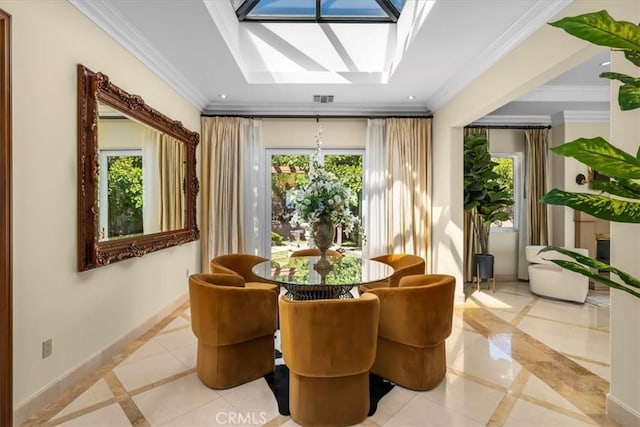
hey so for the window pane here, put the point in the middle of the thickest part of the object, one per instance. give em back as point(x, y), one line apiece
point(351, 8)
point(505, 170)
point(348, 167)
point(124, 182)
point(288, 173)
point(284, 8)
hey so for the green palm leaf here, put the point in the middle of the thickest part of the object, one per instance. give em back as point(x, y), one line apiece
point(633, 56)
point(598, 154)
point(629, 97)
point(620, 188)
point(602, 207)
point(584, 263)
point(601, 29)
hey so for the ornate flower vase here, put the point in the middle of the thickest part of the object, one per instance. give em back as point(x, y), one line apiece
point(323, 234)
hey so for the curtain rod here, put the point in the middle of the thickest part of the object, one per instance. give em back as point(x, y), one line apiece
point(518, 127)
point(318, 117)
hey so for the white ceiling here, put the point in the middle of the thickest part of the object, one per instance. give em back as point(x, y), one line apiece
point(434, 51)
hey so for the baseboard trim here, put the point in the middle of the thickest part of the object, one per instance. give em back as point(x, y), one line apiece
point(51, 392)
point(622, 413)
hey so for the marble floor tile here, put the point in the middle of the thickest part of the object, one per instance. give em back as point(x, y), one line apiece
point(97, 393)
point(525, 414)
point(147, 371)
point(186, 355)
point(176, 339)
point(149, 349)
point(421, 412)
point(502, 300)
point(600, 369)
point(537, 389)
point(177, 323)
point(168, 401)
point(254, 397)
point(577, 314)
point(485, 360)
point(109, 416)
point(471, 399)
point(216, 413)
point(391, 403)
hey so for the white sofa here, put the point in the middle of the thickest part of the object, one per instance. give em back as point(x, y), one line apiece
point(550, 280)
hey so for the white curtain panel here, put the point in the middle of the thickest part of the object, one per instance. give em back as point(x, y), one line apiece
point(151, 206)
point(374, 212)
point(255, 216)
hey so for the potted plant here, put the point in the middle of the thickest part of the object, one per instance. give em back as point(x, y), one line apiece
point(485, 197)
point(619, 200)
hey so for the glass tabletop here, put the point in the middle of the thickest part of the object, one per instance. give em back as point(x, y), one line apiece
point(345, 271)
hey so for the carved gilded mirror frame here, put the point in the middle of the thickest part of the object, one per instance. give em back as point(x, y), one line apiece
point(94, 88)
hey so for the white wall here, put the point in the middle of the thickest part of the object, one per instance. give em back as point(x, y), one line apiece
point(300, 133)
point(82, 312)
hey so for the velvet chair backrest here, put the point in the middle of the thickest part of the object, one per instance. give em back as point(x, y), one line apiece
point(240, 264)
point(329, 338)
point(225, 312)
point(419, 312)
point(403, 265)
point(315, 252)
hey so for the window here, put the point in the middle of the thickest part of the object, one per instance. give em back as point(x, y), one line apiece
point(318, 10)
point(508, 167)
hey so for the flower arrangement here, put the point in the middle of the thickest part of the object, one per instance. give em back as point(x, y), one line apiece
point(324, 198)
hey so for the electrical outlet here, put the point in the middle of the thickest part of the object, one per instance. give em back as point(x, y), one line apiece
point(47, 348)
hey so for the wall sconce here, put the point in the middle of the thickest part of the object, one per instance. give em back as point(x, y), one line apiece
point(581, 179)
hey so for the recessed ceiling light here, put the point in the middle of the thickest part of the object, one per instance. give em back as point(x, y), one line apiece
point(605, 63)
point(411, 97)
point(223, 96)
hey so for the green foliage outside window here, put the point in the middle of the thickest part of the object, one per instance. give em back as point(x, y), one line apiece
point(125, 195)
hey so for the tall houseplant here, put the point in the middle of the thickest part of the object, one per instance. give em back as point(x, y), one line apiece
point(485, 197)
point(619, 200)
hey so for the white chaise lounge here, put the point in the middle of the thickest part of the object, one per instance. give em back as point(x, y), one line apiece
point(549, 280)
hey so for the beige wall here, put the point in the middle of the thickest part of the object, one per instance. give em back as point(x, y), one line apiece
point(119, 134)
point(82, 312)
point(300, 133)
point(624, 395)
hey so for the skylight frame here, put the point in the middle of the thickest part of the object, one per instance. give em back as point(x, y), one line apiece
point(388, 7)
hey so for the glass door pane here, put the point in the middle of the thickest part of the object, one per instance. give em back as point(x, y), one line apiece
point(348, 167)
point(288, 173)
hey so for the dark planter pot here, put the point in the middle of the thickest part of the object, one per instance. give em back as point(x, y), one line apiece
point(483, 262)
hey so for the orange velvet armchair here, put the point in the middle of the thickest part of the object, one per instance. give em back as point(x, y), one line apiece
point(329, 347)
point(315, 252)
point(415, 320)
point(402, 264)
point(234, 325)
point(239, 264)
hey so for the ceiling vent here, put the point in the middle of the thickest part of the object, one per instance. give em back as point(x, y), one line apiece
point(323, 99)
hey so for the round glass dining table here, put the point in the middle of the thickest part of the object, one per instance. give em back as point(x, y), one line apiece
point(302, 278)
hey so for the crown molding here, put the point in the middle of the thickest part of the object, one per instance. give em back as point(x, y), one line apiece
point(577, 116)
point(114, 24)
point(292, 109)
point(537, 15)
point(513, 120)
point(557, 93)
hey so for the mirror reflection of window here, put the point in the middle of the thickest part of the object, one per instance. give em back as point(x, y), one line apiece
point(120, 190)
point(152, 168)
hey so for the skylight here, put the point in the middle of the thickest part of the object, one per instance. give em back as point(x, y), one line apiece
point(318, 10)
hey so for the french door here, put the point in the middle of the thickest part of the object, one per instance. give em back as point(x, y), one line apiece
point(287, 171)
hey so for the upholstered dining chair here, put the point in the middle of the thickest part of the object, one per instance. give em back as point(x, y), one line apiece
point(402, 264)
point(239, 264)
point(415, 320)
point(329, 347)
point(235, 326)
point(315, 252)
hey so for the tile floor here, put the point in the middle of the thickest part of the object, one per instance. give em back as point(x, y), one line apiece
point(513, 360)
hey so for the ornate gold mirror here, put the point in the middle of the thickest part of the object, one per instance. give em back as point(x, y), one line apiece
point(137, 182)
